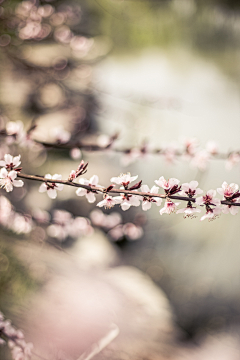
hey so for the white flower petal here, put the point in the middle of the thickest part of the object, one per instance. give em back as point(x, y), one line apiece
point(8, 158)
point(234, 210)
point(199, 200)
point(18, 183)
point(3, 173)
point(116, 180)
point(16, 161)
point(91, 197)
point(94, 180)
point(52, 193)
point(125, 205)
point(43, 188)
point(59, 187)
point(154, 189)
point(145, 188)
point(57, 177)
point(146, 205)
point(81, 192)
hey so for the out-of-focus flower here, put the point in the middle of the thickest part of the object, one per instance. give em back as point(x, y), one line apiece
point(7, 180)
point(108, 202)
point(41, 216)
point(62, 224)
point(63, 34)
point(147, 201)
point(124, 179)
point(169, 207)
point(51, 187)
point(212, 147)
point(170, 186)
point(75, 153)
point(169, 152)
point(88, 193)
point(10, 162)
point(200, 160)
point(130, 230)
point(190, 147)
point(15, 131)
point(100, 219)
point(60, 135)
point(21, 224)
point(233, 159)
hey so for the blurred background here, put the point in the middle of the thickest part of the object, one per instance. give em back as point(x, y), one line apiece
point(122, 85)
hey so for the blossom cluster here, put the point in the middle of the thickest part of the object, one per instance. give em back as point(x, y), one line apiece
point(130, 194)
point(114, 226)
point(15, 339)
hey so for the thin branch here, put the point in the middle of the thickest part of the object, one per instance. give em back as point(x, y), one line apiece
point(95, 147)
point(115, 191)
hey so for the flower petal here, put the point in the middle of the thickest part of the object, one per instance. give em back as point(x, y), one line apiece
point(91, 197)
point(81, 192)
point(52, 193)
point(18, 183)
point(146, 205)
point(94, 180)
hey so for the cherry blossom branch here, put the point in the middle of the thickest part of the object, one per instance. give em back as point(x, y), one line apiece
point(114, 191)
point(196, 157)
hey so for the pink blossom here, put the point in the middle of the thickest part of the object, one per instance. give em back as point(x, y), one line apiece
point(130, 230)
point(75, 153)
point(108, 202)
point(170, 186)
point(230, 193)
point(50, 187)
point(60, 135)
point(15, 130)
point(169, 207)
point(191, 146)
point(169, 153)
point(72, 175)
point(208, 199)
point(124, 179)
point(88, 193)
point(100, 219)
point(190, 189)
point(212, 147)
point(7, 180)
point(227, 191)
point(10, 162)
point(62, 222)
point(233, 159)
point(147, 201)
point(130, 156)
point(200, 160)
